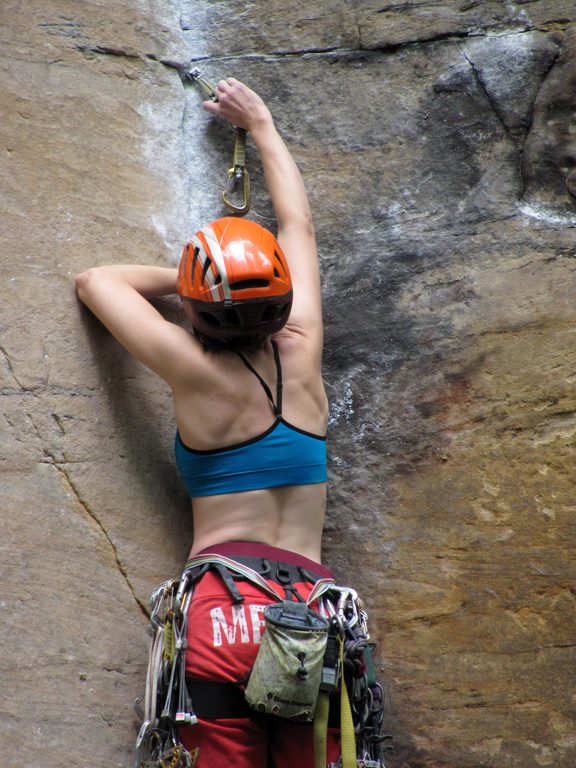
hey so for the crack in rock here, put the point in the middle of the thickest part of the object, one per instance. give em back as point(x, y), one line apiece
point(332, 52)
point(484, 89)
point(530, 126)
point(61, 468)
point(9, 365)
point(128, 53)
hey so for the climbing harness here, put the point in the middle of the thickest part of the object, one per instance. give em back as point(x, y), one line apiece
point(346, 680)
point(236, 196)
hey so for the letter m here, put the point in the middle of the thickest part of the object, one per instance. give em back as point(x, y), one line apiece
point(222, 629)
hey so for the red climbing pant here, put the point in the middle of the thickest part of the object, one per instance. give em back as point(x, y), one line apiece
point(223, 639)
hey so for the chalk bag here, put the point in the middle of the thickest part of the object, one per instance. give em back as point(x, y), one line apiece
point(285, 679)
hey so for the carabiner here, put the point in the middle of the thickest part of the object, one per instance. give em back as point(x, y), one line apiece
point(347, 604)
point(238, 180)
point(238, 177)
point(207, 87)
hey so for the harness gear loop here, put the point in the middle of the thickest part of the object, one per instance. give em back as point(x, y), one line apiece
point(238, 184)
point(361, 696)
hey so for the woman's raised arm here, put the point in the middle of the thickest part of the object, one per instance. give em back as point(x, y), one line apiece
point(245, 109)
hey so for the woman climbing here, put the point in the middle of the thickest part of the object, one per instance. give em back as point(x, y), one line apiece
point(252, 413)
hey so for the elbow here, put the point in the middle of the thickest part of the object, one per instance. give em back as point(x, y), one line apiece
point(81, 281)
point(298, 220)
point(84, 282)
point(308, 223)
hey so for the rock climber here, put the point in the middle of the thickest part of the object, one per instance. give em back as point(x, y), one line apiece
point(251, 413)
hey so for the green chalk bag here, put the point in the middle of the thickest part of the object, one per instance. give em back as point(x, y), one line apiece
point(285, 679)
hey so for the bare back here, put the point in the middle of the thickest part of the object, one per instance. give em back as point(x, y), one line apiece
point(231, 407)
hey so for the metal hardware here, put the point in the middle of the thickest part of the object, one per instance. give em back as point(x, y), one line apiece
point(238, 177)
point(236, 196)
point(207, 87)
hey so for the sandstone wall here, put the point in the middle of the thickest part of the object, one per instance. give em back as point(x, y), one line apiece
point(436, 140)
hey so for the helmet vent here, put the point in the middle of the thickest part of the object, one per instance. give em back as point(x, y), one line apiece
point(268, 314)
point(279, 260)
point(194, 260)
point(232, 317)
point(242, 285)
point(205, 269)
point(209, 319)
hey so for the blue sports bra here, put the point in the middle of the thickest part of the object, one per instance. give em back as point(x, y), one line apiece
point(282, 455)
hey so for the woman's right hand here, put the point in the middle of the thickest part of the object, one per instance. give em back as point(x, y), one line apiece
point(242, 107)
point(238, 104)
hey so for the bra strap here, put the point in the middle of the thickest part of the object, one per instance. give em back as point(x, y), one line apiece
point(278, 378)
point(277, 407)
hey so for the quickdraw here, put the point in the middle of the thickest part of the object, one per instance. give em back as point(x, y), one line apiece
point(347, 665)
point(236, 196)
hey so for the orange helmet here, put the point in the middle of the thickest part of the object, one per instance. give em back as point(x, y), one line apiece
point(234, 280)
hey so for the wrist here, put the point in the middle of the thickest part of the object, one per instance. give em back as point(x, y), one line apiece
point(261, 125)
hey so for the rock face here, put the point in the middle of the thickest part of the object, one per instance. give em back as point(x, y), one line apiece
point(437, 144)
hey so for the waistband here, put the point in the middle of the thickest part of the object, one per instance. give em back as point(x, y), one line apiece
point(253, 549)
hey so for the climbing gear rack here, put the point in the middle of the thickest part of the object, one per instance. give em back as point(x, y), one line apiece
point(236, 195)
point(361, 696)
point(347, 679)
point(167, 704)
